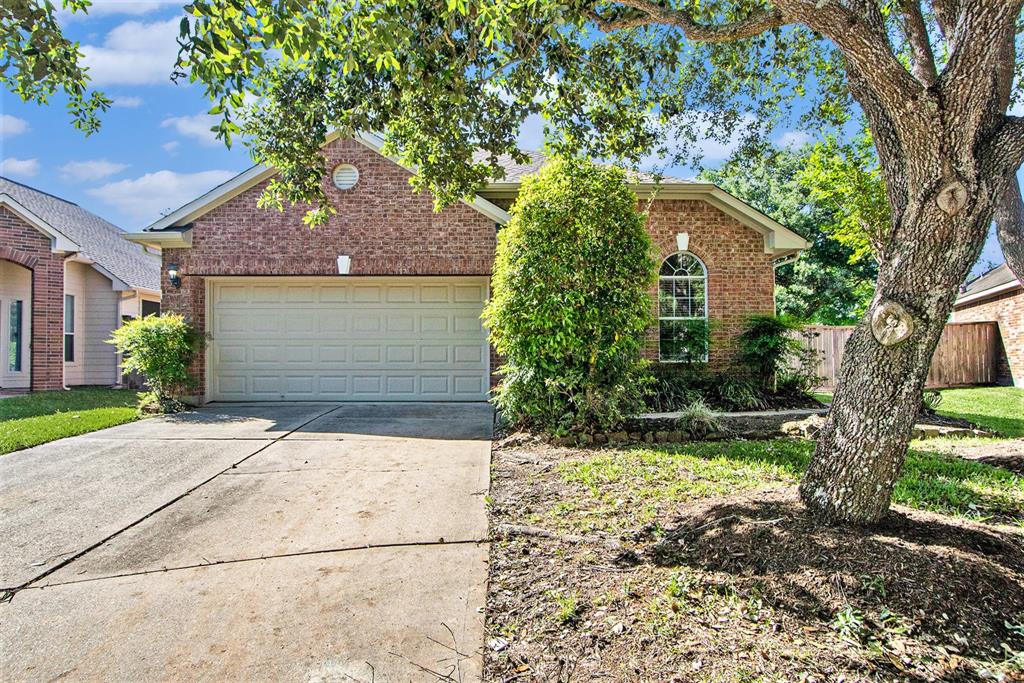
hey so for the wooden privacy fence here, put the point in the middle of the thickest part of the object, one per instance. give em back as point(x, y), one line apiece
point(966, 354)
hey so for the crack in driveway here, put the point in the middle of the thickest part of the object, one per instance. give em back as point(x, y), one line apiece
point(277, 556)
point(7, 593)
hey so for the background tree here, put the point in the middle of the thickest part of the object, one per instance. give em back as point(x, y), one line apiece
point(37, 61)
point(829, 284)
point(443, 79)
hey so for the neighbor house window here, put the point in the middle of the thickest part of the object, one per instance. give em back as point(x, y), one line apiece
point(682, 309)
point(69, 328)
point(14, 342)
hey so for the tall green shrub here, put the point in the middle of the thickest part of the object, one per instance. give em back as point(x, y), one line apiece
point(767, 346)
point(161, 348)
point(570, 305)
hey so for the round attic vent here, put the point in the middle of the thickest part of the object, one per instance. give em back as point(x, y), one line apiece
point(345, 176)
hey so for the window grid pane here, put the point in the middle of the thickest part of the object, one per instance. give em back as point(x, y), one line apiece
point(682, 309)
point(14, 342)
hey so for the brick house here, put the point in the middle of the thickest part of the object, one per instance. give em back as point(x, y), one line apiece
point(997, 296)
point(383, 302)
point(67, 279)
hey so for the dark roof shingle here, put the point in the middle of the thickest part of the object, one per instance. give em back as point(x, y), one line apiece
point(1000, 275)
point(100, 240)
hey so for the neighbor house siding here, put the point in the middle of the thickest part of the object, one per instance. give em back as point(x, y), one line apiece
point(26, 246)
point(385, 227)
point(1007, 309)
point(96, 316)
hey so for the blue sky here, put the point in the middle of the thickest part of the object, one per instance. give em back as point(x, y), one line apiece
point(154, 151)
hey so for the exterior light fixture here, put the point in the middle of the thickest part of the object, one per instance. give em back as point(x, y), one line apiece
point(173, 275)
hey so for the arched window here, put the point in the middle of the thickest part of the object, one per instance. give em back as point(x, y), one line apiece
point(682, 309)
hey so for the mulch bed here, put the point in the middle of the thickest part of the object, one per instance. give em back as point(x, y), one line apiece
point(742, 587)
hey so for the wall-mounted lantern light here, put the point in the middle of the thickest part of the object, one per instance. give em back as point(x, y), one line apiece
point(173, 275)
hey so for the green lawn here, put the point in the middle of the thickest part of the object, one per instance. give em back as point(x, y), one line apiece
point(640, 485)
point(44, 416)
point(998, 408)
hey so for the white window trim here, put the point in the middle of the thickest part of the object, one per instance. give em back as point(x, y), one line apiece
point(74, 330)
point(705, 317)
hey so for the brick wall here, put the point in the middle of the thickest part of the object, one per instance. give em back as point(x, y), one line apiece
point(26, 246)
point(381, 223)
point(388, 229)
point(741, 280)
point(1007, 309)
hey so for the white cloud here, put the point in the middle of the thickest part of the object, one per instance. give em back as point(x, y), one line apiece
point(94, 169)
point(155, 194)
point(100, 8)
point(134, 53)
point(793, 138)
point(128, 102)
point(171, 147)
point(25, 168)
point(197, 127)
point(12, 125)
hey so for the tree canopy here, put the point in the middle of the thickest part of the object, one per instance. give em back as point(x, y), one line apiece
point(37, 61)
point(833, 281)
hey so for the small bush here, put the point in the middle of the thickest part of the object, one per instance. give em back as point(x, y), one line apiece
point(570, 306)
point(698, 420)
point(161, 348)
point(738, 392)
point(767, 346)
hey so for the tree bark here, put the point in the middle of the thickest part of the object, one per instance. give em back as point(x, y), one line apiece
point(861, 448)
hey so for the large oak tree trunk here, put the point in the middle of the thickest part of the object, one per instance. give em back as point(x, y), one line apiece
point(861, 449)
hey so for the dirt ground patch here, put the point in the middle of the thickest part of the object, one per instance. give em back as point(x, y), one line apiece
point(739, 586)
point(1007, 453)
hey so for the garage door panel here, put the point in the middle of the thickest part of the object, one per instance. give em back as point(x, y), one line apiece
point(414, 339)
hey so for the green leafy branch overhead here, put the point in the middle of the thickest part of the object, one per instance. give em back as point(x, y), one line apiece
point(37, 61)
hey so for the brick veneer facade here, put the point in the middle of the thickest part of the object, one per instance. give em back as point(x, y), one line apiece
point(1007, 309)
point(22, 244)
point(387, 229)
point(741, 278)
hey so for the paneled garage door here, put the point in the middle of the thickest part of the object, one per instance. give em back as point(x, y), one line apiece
point(348, 339)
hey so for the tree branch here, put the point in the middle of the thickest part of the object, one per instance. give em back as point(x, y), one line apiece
point(1009, 219)
point(653, 13)
point(923, 64)
point(1006, 151)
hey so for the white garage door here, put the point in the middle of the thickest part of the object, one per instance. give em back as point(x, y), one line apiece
point(348, 339)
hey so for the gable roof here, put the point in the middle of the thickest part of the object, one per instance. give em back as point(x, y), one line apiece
point(996, 280)
point(173, 229)
point(92, 237)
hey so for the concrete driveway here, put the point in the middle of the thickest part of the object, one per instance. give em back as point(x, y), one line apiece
point(250, 542)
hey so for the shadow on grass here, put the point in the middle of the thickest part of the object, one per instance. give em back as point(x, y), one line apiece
point(952, 583)
point(933, 481)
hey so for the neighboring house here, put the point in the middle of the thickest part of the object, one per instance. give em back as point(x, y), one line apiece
point(67, 278)
point(997, 296)
point(384, 301)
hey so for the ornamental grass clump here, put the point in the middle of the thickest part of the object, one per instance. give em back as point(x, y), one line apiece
point(570, 307)
point(161, 349)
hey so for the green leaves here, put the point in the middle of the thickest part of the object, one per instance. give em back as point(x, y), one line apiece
point(450, 83)
point(570, 304)
point(161, 348)
point(37, 61)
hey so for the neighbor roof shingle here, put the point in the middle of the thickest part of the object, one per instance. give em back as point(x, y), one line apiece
point(100, 240)
point(1000, 275)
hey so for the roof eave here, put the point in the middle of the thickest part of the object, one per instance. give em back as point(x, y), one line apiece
point(257, 174)
point(59, 242)
point(168, 238)
point(986, 293)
